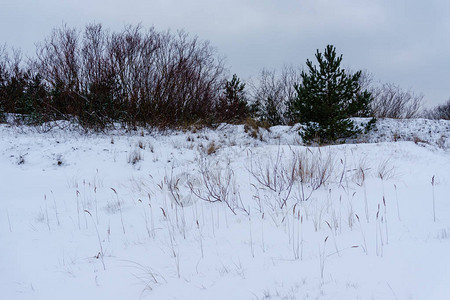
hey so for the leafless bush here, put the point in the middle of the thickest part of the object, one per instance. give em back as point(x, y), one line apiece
point(13, 62)
point(99, 87)
point(94, 55)
point(217, 185)
point(132, 55)
point(296, 177)
point(22, 92)
point(391, 101)
point(366, 80)
point(58, 62)
point(179, 187)
point(188, 80)
point(135, 76)
point(439, 112)
point(3, 60)
point(274, 94)
point(58, 57)
point(275, 176)
point(3, 81)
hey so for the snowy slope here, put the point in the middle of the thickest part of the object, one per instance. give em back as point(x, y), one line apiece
point(95, 216)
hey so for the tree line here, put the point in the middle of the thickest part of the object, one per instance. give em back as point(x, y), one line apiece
point(98, 78)
point(137, 77)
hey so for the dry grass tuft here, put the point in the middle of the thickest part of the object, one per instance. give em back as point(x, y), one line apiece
point(385, 170)
point(212, 148)
point(252, 127)
point(135, 156)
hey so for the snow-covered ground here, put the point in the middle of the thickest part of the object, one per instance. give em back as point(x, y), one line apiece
point(126, 215)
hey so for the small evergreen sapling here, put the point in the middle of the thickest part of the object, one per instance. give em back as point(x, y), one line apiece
point(233, 105)
point(328, 97)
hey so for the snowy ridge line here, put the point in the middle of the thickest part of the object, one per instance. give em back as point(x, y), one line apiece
point(420, 131)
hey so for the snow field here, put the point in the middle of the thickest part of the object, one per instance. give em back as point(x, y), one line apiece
point(154, 216)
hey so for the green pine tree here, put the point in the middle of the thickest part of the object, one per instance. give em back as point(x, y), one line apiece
point(270, 112)
point(233, 106)
point(327, 98)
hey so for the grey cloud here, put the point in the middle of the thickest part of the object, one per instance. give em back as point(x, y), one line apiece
point(403, 42)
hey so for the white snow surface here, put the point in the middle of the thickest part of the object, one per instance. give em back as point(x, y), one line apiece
point(95, 215)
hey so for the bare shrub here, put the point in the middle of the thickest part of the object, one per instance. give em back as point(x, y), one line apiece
point(166, 79)
point(179, 187)
point(273, 95)
point(391, 101)
point(58, 62)
point(3, 60)
point(4, 76)
point(188, 81)
point(135, 76)
point(295, 177)
point(365, 80)
point(22, 92)
point(133, 54)
point(439, 112)
point(218, 184)
point(102, 95)
point(58, 57)
point(275, 176)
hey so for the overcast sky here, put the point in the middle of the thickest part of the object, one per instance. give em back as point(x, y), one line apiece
point(406, 42)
